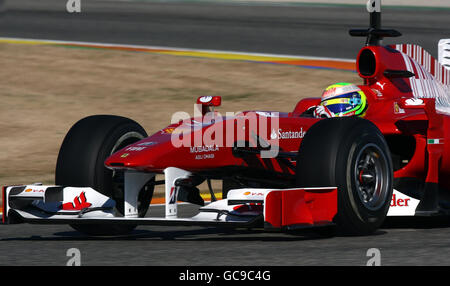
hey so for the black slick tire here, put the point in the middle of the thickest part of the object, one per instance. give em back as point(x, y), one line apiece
point(81, 164)
point(351, 154)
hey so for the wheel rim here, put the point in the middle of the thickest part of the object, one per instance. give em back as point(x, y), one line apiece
point(371, 177)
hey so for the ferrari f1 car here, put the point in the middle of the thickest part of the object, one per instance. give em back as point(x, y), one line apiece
point(280, 171)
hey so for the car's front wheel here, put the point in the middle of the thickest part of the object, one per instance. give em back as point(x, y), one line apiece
point(81, 164)
point(352, 155)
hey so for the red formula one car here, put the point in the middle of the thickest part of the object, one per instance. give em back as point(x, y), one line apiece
point(280, 171)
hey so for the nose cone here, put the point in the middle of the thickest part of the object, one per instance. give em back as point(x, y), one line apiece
point(147, 154)
point(173, 146)
point(159, 151)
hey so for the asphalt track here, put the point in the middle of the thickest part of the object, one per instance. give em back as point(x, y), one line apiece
point(400, 242)
point(315, 31)
point(295, 30)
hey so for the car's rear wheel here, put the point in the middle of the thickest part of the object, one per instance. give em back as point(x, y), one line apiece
point(351, 154)
point(81, 164)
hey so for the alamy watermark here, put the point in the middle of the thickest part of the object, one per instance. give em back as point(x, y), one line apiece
point(208, 132)
point(73, 6)
point(75, 257)
point(374, 6)
point(375, 257)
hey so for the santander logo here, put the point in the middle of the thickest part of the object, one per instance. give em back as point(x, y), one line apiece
point(402, 205)
point(280, 134)
point(399, 202)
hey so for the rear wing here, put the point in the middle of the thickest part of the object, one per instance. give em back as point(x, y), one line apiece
point(431, 78)
point(444, 53)
point(436, 68)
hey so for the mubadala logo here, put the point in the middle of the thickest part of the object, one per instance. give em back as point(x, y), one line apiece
point(201, 149)
point(280, 134)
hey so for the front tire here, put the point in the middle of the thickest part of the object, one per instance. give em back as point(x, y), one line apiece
point(81, 164)
point(351, 154)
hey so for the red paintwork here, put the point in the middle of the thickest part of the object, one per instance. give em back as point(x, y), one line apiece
point(300, 207)
point(386, 109)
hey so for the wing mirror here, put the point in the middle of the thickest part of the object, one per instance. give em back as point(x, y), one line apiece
point(208, 103)
point(209, 100)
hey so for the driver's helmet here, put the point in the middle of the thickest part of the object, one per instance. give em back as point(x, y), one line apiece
point(344, 99)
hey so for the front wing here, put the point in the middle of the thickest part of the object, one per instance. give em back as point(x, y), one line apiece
point(274, 209)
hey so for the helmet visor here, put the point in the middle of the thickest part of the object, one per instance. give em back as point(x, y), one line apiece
point(344, 104)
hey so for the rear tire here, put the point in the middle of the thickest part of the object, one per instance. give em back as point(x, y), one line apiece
point(81, 164)
point(351, 154)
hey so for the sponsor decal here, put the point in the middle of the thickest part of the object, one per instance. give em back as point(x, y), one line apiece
point(330, 92)
point(435, 141)
point(253, 194)
point(146, 144)
point(173, 196)
point(399, 202)
point(402, 205)
point(34, 191)
point(124, 155)
point(267, 114)
point(414, 101)
point(168, 130)
point(281, 134)
point(137, 149)
point(335, 91)
point(79, 203)
point(377, 92)
point(397, 109)
point(273, 135)
point(204, 156)
point(381, 85)
point(202, 149)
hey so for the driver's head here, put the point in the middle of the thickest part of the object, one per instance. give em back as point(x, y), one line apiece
point(344, 99)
